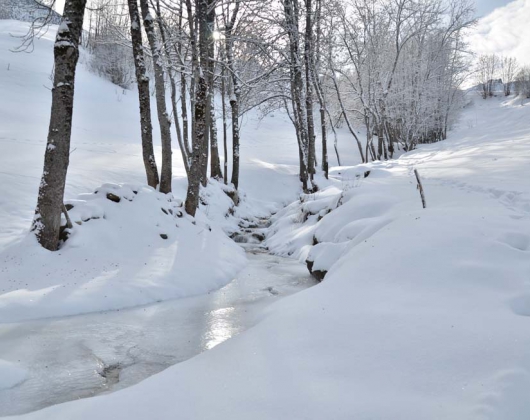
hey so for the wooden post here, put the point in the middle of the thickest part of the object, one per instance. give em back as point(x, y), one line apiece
point(420, 187)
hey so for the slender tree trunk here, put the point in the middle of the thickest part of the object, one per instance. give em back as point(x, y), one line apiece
point(234, 96)
point(225, 148)
point(163, 117)
point(297, 85)
point(215, 163)
point(47, 221)
point(183, 87)
point(234, 104)
point(142, 80)
point(200, 102)
point(194, 65)
point(350, 128)
point(173, 85)
point(309, 69)
point(325, 164)
point(318, 89)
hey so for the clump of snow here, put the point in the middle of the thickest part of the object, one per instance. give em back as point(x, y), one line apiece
point(130, 245)
point(11, 374)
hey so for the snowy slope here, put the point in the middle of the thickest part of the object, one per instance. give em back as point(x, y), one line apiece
point(424, 316)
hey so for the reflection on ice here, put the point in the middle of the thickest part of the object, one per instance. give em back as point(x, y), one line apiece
point(221, 327)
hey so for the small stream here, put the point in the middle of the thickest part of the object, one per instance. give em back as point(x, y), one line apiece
point(85, 355)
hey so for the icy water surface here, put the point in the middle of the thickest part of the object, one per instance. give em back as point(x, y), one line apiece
point(81, 356)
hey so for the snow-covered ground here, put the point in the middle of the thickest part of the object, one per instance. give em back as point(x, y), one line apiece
point(423, 313)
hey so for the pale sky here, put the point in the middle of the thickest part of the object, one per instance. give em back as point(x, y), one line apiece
point(485, 7)
point(59, 5)
point(505, 31)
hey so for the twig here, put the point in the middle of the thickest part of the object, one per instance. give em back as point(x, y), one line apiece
point(420, 187)
point(68, 221)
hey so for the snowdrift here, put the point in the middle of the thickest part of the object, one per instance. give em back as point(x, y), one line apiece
point(130, 246)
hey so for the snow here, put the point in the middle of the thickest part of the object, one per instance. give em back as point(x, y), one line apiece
point(11, 374)
point(423, 313)
point(141, 250)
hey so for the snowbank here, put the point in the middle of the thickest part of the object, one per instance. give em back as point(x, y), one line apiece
point(130, 246)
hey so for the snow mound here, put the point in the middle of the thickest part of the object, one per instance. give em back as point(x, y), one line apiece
point(130, 245)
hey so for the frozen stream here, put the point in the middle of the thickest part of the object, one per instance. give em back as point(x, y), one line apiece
point(81, 356)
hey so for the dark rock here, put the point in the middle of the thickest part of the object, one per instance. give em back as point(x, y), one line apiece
point(259, 236)
point(233, 195)
point(163, 236)
point(317, 274)
point(164, 210)
point(113, 197)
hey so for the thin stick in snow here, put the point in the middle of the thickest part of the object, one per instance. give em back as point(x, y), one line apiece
point(68, 221)
point(420, 187)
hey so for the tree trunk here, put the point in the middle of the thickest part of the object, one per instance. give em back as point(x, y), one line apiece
point(297, 87)
point(308, 58)
point(173, 85)
point(215, 163)
point(160, 92)
point(350, 128)
point(200, 102)
point(234, 96)
point(47, 221)
point(225, 148)
point(234, 104)
point(142, 80)
point(325, 164)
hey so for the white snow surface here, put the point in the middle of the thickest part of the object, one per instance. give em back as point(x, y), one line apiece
point(423, 314)
point(11, 374)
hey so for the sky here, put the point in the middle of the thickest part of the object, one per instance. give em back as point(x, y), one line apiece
point(485, 7)
point(504, 31)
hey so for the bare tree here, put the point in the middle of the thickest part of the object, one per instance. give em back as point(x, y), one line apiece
point(487, 66)
point(508, 69)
